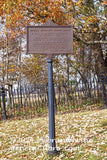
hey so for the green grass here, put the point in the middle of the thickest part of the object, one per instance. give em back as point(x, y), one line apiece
point(79, 136)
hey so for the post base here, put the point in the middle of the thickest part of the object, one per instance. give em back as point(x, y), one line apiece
point(53, 153)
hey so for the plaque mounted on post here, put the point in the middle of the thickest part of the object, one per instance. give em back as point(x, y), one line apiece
point(50, 39)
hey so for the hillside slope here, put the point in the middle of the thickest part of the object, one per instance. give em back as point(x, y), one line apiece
point(79, 136)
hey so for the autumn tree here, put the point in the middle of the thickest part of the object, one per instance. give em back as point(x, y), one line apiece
point(91, 33)
point(88, 18)
point(34, 69)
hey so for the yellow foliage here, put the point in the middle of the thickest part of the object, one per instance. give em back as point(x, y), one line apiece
point(83, 17)
point(80, 3)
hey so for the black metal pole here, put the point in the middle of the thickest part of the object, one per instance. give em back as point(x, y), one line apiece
point(104, 91)
point(3, 99)
point(52, 143)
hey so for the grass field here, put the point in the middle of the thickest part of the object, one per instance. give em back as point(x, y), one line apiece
point(79, 136)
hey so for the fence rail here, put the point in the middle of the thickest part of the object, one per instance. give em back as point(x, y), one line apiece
point(28, 102)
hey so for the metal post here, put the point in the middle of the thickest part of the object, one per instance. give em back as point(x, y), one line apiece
point(104, 91)
point(52, 143)
point(3, 99)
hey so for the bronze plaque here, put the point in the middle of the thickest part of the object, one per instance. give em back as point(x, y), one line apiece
point(50, 39)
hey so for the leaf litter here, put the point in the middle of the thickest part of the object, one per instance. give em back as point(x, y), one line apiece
point(80, 135)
